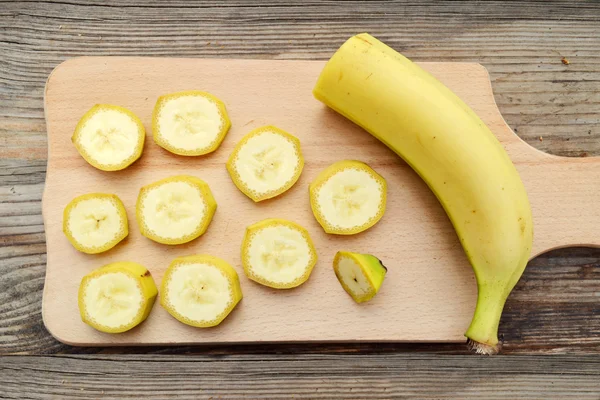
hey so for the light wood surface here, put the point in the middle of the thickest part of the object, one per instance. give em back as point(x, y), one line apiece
point(429, 292)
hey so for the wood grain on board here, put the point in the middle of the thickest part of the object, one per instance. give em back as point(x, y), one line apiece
point(429, 292)
point(551, 105)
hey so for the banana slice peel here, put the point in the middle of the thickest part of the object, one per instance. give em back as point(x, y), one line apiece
point(361, 275)
point(95, 222)
point(116, 297)
point(109, 137)
point(189, 123)
point(200, 290)
point(278, 253)
point(175, 210)
point(266, 163)
point(348, 197)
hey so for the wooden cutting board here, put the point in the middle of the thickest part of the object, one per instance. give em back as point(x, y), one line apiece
point(430, 291)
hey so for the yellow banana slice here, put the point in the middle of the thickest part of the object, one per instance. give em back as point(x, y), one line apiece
point(175, 210)
point(95, 222)
point(109, 137)
point(361, 275)
point(348, 197)
point(266, 163)
point(190, 123)
point(278, 253)
point(116, 297)
point(200, 290)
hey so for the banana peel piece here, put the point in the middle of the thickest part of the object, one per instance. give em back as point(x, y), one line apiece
point(175, 210)
point(116, 297)
point(361, 275)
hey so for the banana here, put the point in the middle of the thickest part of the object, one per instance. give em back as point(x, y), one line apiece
point(109, 137)
point(175, 210)
point(95, 222)
point(278, 253)
point(348, 197)
point(116, 297)
point(200, 290)
point(454, 152)
point(361, 275)
point(266, 163)
point(189, 123)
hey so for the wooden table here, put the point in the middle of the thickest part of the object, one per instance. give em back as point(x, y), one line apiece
point(544, 61)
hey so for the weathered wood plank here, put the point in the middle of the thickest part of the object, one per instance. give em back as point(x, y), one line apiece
point(553, 309)
point(307, 376)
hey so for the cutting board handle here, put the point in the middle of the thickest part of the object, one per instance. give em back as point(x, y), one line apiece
point(565, 193)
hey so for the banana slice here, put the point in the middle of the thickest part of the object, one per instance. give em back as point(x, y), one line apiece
point(266, 163)
point(190, 123)
point(200, 290)
point(95, 222)
point(175, 210)
point(278, 253)
point(116, 297)
point(348, 197)
point(361, 275)
point(109, 137)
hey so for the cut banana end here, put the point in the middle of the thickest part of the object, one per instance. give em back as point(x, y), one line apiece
point(95, 222)
point(361, 275)
point(266, 163)
point(175, 210)
point(116, 297)
point(278, 253)
point(109, 137)
point(200, 290)
point(190, 123)
point(348, 197)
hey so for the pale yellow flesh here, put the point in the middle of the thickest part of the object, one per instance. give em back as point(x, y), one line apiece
point(198, 292)
point(456, 154)
point(279, 254)
point(190, 123)
point(110, 137)
point(354, 278)
point(95, 222)
point(113, 299)
point(173, 210)
point(267, 162)
point(349, 199)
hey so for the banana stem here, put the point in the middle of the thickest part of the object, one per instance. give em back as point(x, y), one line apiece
point(483, 332)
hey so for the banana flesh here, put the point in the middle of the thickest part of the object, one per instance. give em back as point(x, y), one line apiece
point(175, 210)
point(265, 163)
point(117, 297)
point(190, 123)
point(95, 222)
point(454, 152)
point(348, 197)
point(200, 290)
point(278, 253)
point(109, 137)
point(361, 275)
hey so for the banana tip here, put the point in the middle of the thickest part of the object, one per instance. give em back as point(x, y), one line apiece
point(483, 348)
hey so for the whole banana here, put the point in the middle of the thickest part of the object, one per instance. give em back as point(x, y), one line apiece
point(454, 152)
